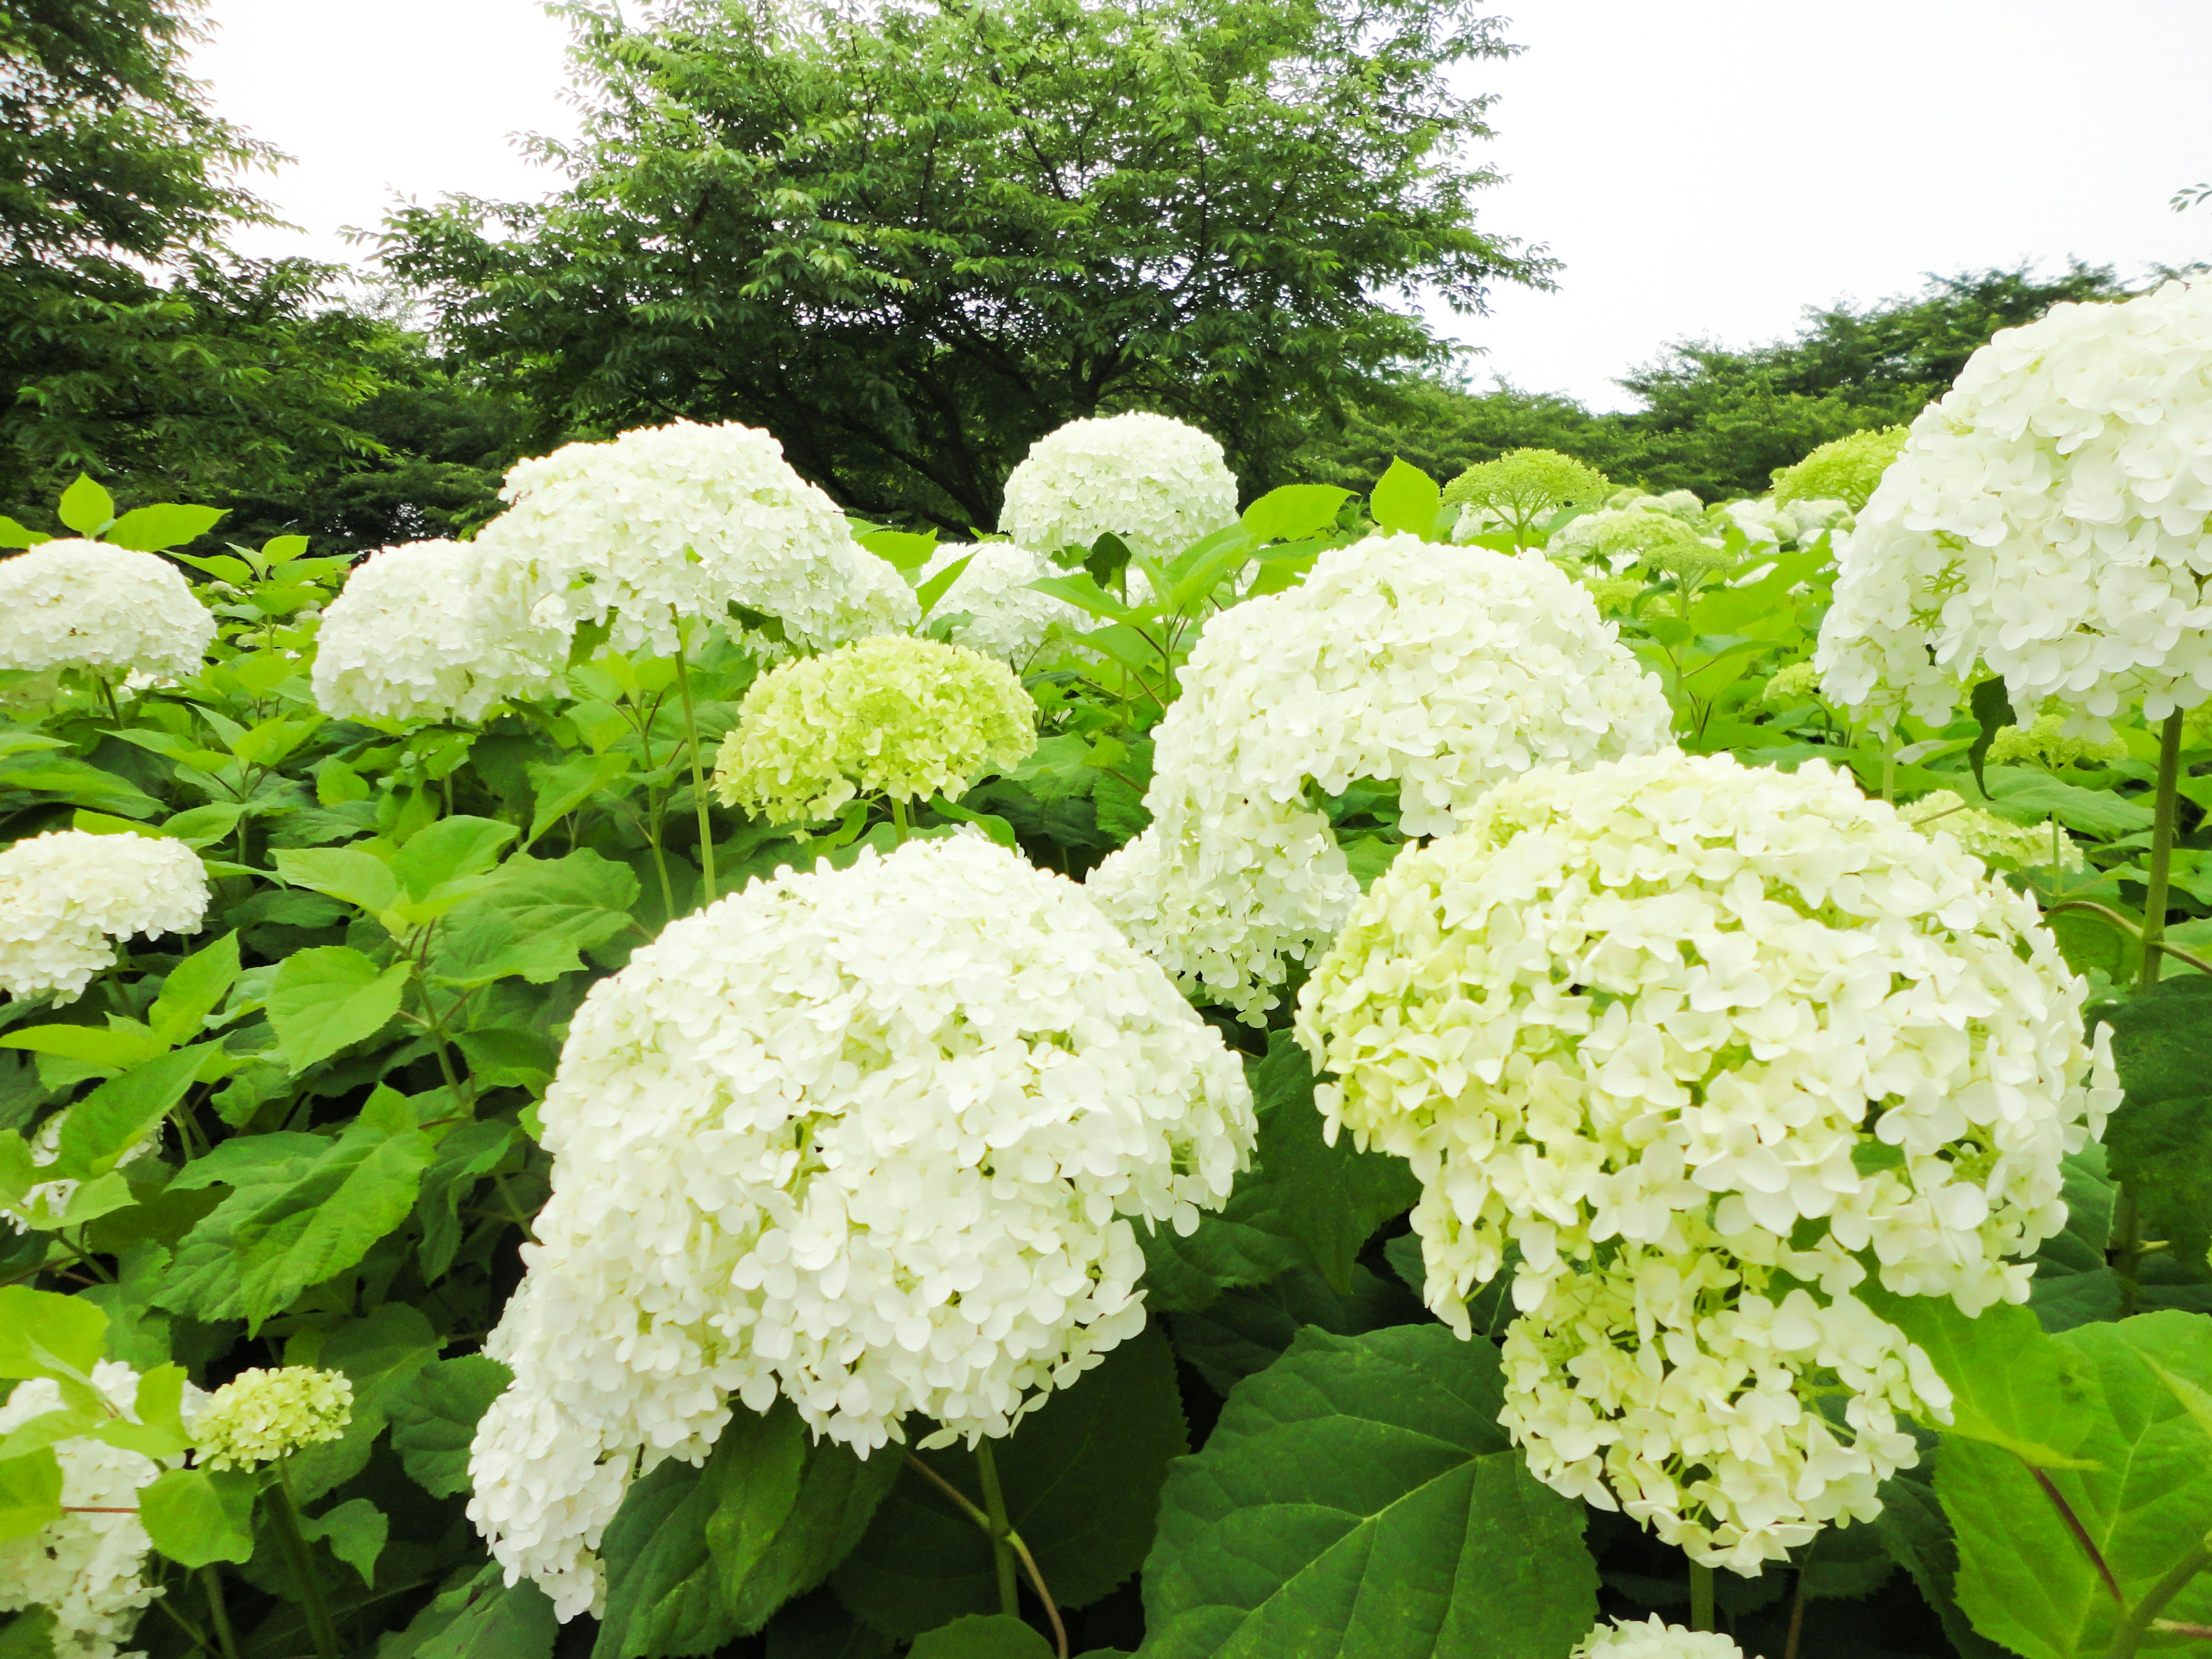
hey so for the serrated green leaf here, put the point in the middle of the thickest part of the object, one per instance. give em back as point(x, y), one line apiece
point(1332, 1198)
point(162, 526)
point(111, 1122)
point(435, 1416)
point(1242, 1332)
point(76, 781)
point(932, 591)
point(1913, 1531)
point(451, 850)
point(1291, 513)
point(380, 1354)
point(2093, 812)
point(194, 988)
point(30, 1492)
point(344, 872)
point(198, 1517)
point(1406, 501)
point(355, 1530)
point(43, 1335)
point(481, 1617)
point(2011, 1386)
point(18, 1170)
point(330, 996)
point(30, 1634)
point(13, 534)
point(109, 1048)
point(86, 507)
point(1991, 707)
point(982, 1636)
point(2159, 1142)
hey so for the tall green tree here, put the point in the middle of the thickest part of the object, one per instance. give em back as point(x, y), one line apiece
point(910, 239)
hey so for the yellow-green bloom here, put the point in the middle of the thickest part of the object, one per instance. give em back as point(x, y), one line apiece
point(1844, 469)
point(259, 1415)
point(894, 716)
point(2047, 743)
point(1523, 485)
point(1791, 687)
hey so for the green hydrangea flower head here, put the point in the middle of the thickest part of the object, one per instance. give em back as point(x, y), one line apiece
point(1523, 485)
point(1844, 469)
point(2047, 743)
point(1791, 687)
point(259, 1415)
point(1657, 541)
point(892, 715)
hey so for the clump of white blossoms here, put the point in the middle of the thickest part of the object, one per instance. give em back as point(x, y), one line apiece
point(2045, 523)
point(259, 1415)
point(872, 1139)
point(1653, 1640)
point(680, 522)
point(1994, 840)
point(67, 896)
point(104, 610)
point(1446, 669)
point(416, 635)
point(893, 716)
point(1006, 618)
point(1632, 537)
point(88, 1567)
point(1770, 520)
point(1154, 481)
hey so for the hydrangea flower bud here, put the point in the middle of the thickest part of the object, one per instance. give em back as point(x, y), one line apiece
point(1848, 469)
point(1154, 481)
point(1523, 485)
point(260, 1415)
point(66, 896)
point(109, 610)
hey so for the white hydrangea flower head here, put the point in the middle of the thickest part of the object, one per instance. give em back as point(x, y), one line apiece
point(89, 1567)
point(2045, 523)
point(1663, 1380)
point(67, 896)
point(1674, 984)
point(416, 635)
point(1760, 521)
point(1154, 481)
point(1997, 841)
point(1655, 1639)
point(1007, 618)
point(259, 1415)
point(108, 611)
point(873, 1140)
point(1443, 668)
point(680, 522)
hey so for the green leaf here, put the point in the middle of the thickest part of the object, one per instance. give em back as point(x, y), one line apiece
point(2093, 812)
point(1109, 557)
point(198, 1517)
point(76, 781)
point(1291, 513)
point(932, 591)
point(330, 996)
point(435, 1416)
point(817, 1626)
point(356, 1531)
point(1081, 1477)
point(1083, 593)
point(562, 789)
point(1991, 706)
point(111, 1121)
point(1916, 1535)
point(43, 1335)
point(194, 989)
point(2159, 1142)
point(344, 872)
point(162, 526)
point(13, 534)
point(379, 1354)
point(535, 919)
point(1332, 1198)
point(1406, 501)
point(2011, 1385)
point(662, 1593)
point(19, 1171)
point(203, 826)
point(982, 1636)
point(471, 1152)
point(107, 1047)
point(1242, 1332)
point(86, 507)
point(1359, 1497)
point(481, 1617)
point(900, 550)
point(30, 1633)
point(30, 1492)
point(453, 849)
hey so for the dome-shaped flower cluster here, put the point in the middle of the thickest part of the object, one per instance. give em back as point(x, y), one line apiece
point(66, 896)
point(870, 1138)
point(2045, 742)
point(1154, 481)
point(89, 1567)
point(683, 521)
point(893, 716)
point(108, 611)
point(1846, 469)
point(1770, 520)
point(1632, 537)
point(1653, 1640)
point(1791, 686)
point(1997, 841)
point(1443, 668)
point(1523, 486)
point(416, 634)
point(260, 1415)
point(2046, 523)
point(1006, 618)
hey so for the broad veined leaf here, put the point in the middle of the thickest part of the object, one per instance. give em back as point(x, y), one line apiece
point(196, 1517)
point(1406, 501)
point(355, 1530)
point(43, 1335)
point(434, 1414)
point(482, 1617)
point(328, 997)
point(535, 919)
point(86, 507)
point(929, 593)
point(344, 872)
point(1244, 1331)
point(1332, 1198)
point(77, 781)
point(379, 1354)
point(112, 1123)
point(453, 849)
point(30, 1492)
point(194, 989)
point(2159, 1143)
point(982, 1636)
point(2011, 1386)
point(162, 526)
point(562, 789)
point(1290, 512)
point(108, 1047)
point(1359, 1496)
point(1913, 1531)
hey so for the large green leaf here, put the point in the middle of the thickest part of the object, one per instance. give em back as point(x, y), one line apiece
point(435, 1416)
point(1290, 512)
point(195, 1516)
point(1913, 1531)
point(1406, 501)
point(535, 919)
point(193, 989)
point(111, 1121)
point(30, 1492)
point(162, 525)
point(328, 997)
point(1244, 1331)
point(380, 1354)
point(344, 872)
point(1329, 1200)
point(2011, 1386)
point(482, 1617)
point(982, 1636)
point(2159, 1143)
point(1359, 1497)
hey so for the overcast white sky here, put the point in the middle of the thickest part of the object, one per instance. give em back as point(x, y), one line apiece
point(1703, 169)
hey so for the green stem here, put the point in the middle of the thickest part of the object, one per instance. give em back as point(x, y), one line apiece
point(2162, 846)
point(898, 817)
point(1002, 1552)
point(284, 1518)
point(219, 1612)
point(2155, 1598)
point(2127, 1251)
point(1701, 1597)
point(698, 777)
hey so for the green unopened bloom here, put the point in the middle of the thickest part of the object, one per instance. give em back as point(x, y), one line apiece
point(1792, 686)
point(2048, 743)
point(259, 1415)
point(891, 715)
point(1845, 469)
point(1523, 485)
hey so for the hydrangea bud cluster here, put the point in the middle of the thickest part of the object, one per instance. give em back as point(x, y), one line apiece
point(1006, 618)
point(1654, 1639)
point(1523, 486)
point(2045, 742)
point(106, 609)
point(2045, 523)
point(680, 522)
point(1848, 469)
point(416, 634)
point(88, 1568)
point(893, 716)
point(67, 896)
point(1154, 481)
point(1443, 668)
point(1997, 841)
point(1791, 686)
point(259, 1416)
point(1632, 537)
point(1672, 1007)
point(872, 1139)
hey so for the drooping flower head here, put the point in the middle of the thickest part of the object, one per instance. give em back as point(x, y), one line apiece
point(260, 1415)
point(1626, 1639)
point(1444, 669)
point(67, 896)
point(683, 522)
point(1154, 481)
point(1846, 469)
point(416, 635)
point(893, 716)
point(872, 1139)
point(2045, 523)
point(1524, 485)
point(107, 610)
point(1007, 618)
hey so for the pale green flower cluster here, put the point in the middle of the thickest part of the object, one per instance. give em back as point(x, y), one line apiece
point(1791, 687)
point(1846, 469)
point(260, 1415)
point(1631, 537)
point(1989, 837)
point(1523, 485)
point(2047, 743)
point(893, 716)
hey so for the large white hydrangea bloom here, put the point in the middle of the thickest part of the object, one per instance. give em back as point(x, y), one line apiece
point(88, 1568)
point(109, 610)
point(1007, 618)
point(683, 521)
point(1655, 1639)
point(873, 1140)
point(1444, 668)
point(65, 896)
point(1154, 481)
point(416, 635)
point(2046, 523)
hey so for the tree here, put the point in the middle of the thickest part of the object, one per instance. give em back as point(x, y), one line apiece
point(911, 240)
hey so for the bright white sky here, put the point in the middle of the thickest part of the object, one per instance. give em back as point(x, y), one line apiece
point(1703, 169)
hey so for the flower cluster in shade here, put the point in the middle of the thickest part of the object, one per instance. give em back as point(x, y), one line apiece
point(2044, 523)
point(1521, 486)
point(1669, 1025)
point(67, 896)
point(1445, 669)
point(872, 1139)
point(1653, 1639)
point(894, 716)
point(1997, 841)
point(1848, 469)
point(1152, 480)
point(1006, 618)
point(107, 611)
point(260, 1416)
point(88, 1568)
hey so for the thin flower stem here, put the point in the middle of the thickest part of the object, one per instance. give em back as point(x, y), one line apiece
point(2165, 809)
point(2138, 1623)
point(1796, 1619)
point(698, 776)
point(994, 1503)
point(1701, 1597)
point(284, 1517)
point(984, 1523)
point(219, 1612)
